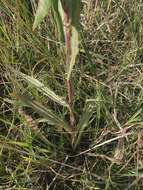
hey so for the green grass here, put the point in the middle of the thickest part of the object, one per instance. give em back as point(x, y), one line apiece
point(108, 100)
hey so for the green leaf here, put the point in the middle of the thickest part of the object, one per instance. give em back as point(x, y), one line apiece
point(46, 113)
point(59, 19)
point(42, 88)
point(75, 16)
point(136, 117)
point(42, 11)
point(85, 120)
point(74, 51)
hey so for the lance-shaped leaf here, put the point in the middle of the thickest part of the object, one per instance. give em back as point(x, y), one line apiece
point(75, 16)
point(38, 133)
point(85, 120)
point(58, 17)
point(42, 11)
point(74, 51)
point(46, 113)
point(42, 88)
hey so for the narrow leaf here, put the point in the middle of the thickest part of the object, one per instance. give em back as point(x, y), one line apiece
point(58, 18)
point(46, 113)
point(75, 16)
point(42, 11)
point(85, 120)
point(42, 88)
point(74, 51)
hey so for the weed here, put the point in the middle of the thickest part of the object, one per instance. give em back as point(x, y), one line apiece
point(40, 148)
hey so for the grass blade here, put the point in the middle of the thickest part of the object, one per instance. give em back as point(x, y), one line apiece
point(85, 120)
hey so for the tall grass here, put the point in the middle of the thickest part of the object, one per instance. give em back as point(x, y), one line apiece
point(38, 147)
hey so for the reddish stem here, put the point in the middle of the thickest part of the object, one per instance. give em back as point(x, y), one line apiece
point(68, 57)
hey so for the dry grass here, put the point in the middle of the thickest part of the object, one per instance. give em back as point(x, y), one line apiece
point(34, 154)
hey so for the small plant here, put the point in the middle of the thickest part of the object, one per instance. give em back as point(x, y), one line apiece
point(67, 16)
point(71, 129)
point(66, 13)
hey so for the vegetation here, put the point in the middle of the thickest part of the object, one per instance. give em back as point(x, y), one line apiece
point(71, 112)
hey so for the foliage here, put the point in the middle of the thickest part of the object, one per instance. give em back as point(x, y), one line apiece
point(63, 8)
point(38, 147)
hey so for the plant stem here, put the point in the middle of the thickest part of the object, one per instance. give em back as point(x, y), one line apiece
point(68, 57)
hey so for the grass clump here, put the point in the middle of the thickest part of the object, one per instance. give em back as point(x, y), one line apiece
point(38, 147)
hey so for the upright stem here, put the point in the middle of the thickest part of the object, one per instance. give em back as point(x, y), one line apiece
point(68, 57)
